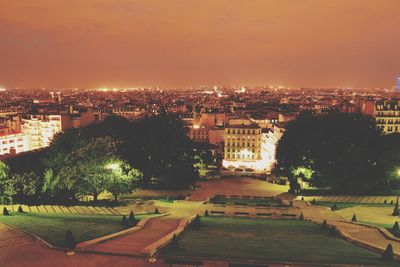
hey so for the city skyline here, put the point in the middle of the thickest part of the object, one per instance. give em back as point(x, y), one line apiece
point(92, 44)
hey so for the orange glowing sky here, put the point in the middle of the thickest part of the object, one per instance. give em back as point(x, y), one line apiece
point(128, 43)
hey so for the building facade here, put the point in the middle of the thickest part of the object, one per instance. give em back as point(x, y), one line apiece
point(40, 129)
point(385, 113)
point(242, 147)
point(12, 142)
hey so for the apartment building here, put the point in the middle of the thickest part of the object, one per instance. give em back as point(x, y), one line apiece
point(12, 142)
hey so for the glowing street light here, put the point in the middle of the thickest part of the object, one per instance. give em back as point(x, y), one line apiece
point(113, 166)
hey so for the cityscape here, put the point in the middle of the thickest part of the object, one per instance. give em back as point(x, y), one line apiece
point(210, 133)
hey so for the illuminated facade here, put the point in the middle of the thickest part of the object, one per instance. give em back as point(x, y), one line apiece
point(386, 114)
point(12, 142)
point(40, 129)
point(248, 147)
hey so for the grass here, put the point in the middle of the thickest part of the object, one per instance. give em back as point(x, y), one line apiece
point(246, 201)
point(52, 227)
point(269, 240)
point(344, 205)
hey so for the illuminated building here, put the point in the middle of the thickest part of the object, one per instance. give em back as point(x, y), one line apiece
point(40, 129)
point(386, 114)
point(12, 142)
point(248, 147)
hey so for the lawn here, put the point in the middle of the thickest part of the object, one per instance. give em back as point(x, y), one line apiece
point(52, 227)
point(344, 205)
point(266, 202)
point(269, 240)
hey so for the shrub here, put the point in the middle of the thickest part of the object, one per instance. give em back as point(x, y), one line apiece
point(156, 211)
point(388, 254)
point(5, 211)
point(313, 201)
point(391, 202)
point(196, 222)
point(395, 226)
point(174, 245)
point(69, 240)
point(333, 232)
point(206, 213)
point(354, 218)
point(334, 207)
point(396, 208)
point(385, 201)
point(302, 198)
point(124, 221)
point(301, 218)
point(132, 219)
point(324, 225)
point(20, 210)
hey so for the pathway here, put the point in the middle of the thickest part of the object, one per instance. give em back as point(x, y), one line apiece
point(132, 244)
point(18, 249)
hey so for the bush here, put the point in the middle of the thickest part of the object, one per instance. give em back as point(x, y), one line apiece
point(395, 226)
point(206, 213)
point(388, 254)
point(333, 232)
point(301, 218)
point(132, 220)
point(302, 198)
point(313, 201)
point(156, 211)
point(196, 222)
point(20, 210)
point(69, 240)
point(174, 245)
point(124, 221)
point(324, 225)
point(5, 211)
point(396, 208)
point(354, 218)
point(334, 207)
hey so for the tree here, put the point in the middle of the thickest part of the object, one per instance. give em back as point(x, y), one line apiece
point(123, 178)
point(396, 226)
point(5, 211)
point(5, 188)
point(25, 187)
point(336, 150)
point(388, 255)
point(161, 150)
point(69, 240)
point(174, 244)
point(396, 208)
point(87, 167)
point(50, 184)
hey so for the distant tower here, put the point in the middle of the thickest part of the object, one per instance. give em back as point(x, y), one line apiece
point(398, 84)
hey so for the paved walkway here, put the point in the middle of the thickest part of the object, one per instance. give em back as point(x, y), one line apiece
point(133, 243)
point(18, 249)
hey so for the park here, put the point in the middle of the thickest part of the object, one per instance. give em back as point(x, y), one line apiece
point(244, 227)
point(117, 191)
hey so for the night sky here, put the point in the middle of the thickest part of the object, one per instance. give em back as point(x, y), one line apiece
point(176, 43)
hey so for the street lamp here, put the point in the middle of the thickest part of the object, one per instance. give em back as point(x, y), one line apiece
point(113, 166)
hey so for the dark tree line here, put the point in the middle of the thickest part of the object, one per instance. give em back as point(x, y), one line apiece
point(344, 152)
point(114, 155)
